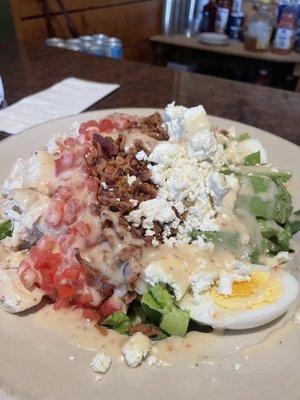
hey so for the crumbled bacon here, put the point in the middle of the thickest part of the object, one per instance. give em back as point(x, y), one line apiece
point(151, 126)
point(146, 329)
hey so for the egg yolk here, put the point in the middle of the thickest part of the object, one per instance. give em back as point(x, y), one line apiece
point(262, 289)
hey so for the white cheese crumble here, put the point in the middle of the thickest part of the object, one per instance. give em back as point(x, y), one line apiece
point(152, 360)
point(136, 349)
point(141, 156)
point(104, 185)
point(131, 179)
point(297, 318)
point(152, 210)
point(100, 363)
point(181, 167)
point(172, 274)
point(237, 366)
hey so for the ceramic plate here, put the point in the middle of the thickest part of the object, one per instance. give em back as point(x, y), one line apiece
point(217, 39)
point(39, 362)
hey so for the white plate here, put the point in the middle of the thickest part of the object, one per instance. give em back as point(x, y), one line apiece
point(34, 361)
point(213, 38)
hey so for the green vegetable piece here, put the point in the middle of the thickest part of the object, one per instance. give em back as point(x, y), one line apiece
point(280, 177)
point(5, 229)
point(295, 221)
point(225, 238)
point(295, 225)
point(284, 237)
point(243, 136)
point(254, 256)
point(118, 321)
point(283, 206)
point(269, 228)
point(151, 308)
point(260, 184)
point(161, 295)
point(252, 159)
point(258, 207)
point(175, 322)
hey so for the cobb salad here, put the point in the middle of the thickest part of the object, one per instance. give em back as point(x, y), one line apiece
point(151, 226)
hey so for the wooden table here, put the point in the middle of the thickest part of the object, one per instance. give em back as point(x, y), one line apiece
point(235, 48)
point(27, 68)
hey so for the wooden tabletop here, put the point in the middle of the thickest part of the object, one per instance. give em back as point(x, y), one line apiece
point(28, 68)
point(235, 48)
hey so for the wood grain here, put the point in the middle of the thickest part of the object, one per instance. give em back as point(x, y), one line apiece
point(33, 8)
point(123, 21)
point(234, 49)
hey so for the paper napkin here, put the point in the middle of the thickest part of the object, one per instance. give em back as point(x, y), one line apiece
point(68, 97)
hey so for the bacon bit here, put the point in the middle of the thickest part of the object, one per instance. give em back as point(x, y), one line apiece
point(130, 297)
point(107, 146)
point(146, 329)
point(103, 331)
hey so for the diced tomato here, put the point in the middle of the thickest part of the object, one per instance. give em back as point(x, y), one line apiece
point(28, 277)
point(70, 211)
point(61, 303)
point(55, 213)
point(66, 241)
point(46, 242)
point(63, 193)
point(82, 128)
point(72, 273)
point(65, 291)
point(70, 142)
point(82, 228)
point(65, 162)
point(91, 314)
point(110, 306)
point(107, 125)
point(85, 298)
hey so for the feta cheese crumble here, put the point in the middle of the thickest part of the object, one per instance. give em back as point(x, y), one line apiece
point(136, 349)
point(100, 363)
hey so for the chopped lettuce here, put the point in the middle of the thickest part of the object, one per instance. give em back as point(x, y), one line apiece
point(295, 222)
point(243, 136)
point(283, 206)
point(260, 184)
point(175, 322)
point(260, 208)
point(118, 321)
point(252, 159)
point(225, 238)
point(160, 307)
point(162, 297)
point(5, 229)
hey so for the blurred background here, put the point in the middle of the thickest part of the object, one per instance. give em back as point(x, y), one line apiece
point(250, 41)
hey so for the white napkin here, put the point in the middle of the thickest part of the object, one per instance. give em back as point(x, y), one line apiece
point(68, 97)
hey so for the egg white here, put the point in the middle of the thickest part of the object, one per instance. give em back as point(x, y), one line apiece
point(206, 311)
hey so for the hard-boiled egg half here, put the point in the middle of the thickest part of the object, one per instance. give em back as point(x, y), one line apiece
point(266, 296)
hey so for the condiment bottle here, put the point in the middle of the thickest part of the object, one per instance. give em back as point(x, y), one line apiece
point(223, 10)
point(209, 17)
point(286, 29)
point(260, 27)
